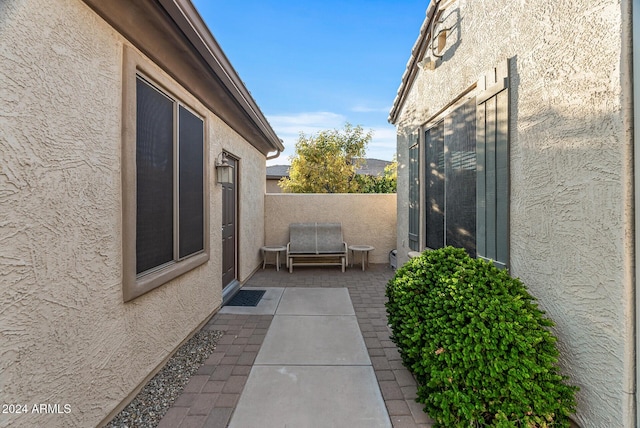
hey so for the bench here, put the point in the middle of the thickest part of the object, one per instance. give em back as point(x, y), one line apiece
point(316, 244)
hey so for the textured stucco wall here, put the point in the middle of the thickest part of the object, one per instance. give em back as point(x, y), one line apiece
point(272, 186)
point(251, 189)
point(570, 180)
point(66, 337)
point(367, 219)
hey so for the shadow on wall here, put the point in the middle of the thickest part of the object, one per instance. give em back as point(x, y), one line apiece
point(452, 21)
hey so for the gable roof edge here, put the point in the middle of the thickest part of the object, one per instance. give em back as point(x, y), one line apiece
point(173, 35)
point(417, 52)
point(193, 26)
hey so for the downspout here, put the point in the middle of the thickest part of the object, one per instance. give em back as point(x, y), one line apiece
point(274, 156)
point(630, 66)
point(278, 151)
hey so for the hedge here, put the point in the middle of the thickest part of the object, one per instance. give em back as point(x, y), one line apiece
point(478, 345)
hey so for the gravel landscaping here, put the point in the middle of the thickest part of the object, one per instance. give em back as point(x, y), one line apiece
point(157, 396)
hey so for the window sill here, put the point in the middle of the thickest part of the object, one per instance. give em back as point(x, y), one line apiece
point(137, 286)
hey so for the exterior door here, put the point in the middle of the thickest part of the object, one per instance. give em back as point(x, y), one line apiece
point(229, 227)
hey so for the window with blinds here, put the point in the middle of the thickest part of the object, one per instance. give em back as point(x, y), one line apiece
point(450, 176)
point(466, 174)
point(434, 187)
point(169, 179)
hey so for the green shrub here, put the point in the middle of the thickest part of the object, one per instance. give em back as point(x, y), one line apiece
point(479, 347)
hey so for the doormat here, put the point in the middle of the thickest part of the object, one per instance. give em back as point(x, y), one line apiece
point(246, 298)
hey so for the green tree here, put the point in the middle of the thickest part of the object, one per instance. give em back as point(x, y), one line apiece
point(385, 183)
point(327, 162)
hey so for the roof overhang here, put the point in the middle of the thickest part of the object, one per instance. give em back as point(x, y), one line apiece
point(173, 35)
point(417, 53)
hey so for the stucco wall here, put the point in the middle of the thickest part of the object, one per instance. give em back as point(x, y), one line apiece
point(570, 206)
point(367, 219)
point(272, 186)
point(66, 337)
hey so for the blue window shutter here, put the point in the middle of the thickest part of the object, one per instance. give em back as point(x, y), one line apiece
point(492, 186)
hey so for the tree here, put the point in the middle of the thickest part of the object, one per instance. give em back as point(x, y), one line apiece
point(385, 183)
point(327, 162)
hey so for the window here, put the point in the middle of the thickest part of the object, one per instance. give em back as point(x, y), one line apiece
point(434, 187)
point(466, 199)
point(165, 231)
point(157, 182)
point(450, 190)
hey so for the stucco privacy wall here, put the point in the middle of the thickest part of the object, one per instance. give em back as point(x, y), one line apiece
point(569, 203)
point(367, 219)
point(66, 337)
point(272, 186)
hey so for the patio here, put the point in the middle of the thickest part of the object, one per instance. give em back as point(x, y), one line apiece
point(212, 395)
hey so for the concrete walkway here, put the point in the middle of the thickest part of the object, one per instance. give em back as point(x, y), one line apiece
point(312, 363)
point(315, 352)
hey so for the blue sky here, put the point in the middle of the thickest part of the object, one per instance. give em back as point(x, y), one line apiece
point(316, 65)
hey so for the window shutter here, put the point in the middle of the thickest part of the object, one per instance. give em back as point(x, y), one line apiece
point(414, 197)
point(492, 186)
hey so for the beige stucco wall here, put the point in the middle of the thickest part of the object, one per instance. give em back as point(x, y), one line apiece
point(367, 219)
point(272, 186)
point(66, 336)
point(570, 181)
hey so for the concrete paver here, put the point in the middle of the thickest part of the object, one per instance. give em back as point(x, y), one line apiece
point(315, 301)
point(313, 361)
point(311, 396)
point(314, 340)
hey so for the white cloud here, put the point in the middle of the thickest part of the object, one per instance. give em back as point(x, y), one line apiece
point(383, 143)
point(309, 123)
point(366, 109)
point(288, 128)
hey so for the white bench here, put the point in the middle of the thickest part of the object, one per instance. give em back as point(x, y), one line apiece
point(316, 244)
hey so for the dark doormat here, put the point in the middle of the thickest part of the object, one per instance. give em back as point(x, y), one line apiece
point(246, 298)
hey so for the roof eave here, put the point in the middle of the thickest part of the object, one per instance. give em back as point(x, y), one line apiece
point(191, 23)
point(417, 53)
point(173, 34)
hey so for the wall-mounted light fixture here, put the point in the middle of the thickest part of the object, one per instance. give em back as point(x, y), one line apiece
point(224, 171)
point(427, 63)
point(437, 38)
point(439, 43)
